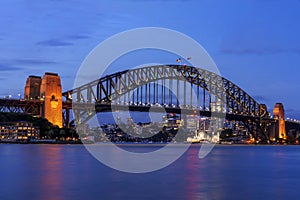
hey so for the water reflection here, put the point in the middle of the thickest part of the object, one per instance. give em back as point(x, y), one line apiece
point(228, 172)
point(52, 165)
point(193, 178)
point(202, 181)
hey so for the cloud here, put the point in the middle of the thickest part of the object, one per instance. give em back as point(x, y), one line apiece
point(263, 51)
point(77, 37)
point(34, 62)
point(54, 43)
point(63, 41)
point(6, 68)
point(14, 65)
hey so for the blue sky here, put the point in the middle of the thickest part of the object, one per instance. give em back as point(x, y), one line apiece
point(255, 43)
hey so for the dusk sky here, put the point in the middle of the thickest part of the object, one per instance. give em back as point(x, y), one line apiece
point(254, 43)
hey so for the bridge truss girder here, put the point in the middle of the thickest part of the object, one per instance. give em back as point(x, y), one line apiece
point(113, 86)
point(20, 106)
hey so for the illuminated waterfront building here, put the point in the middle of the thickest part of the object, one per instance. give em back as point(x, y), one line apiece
point(18, 131)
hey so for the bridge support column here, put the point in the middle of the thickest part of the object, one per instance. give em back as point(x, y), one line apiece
point(66, 118)
point(32, 88)
point(278, 113)
point(51, 92)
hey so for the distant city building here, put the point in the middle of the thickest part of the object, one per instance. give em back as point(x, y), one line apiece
point(171, 121)
point(192, 122)
point(18, 131)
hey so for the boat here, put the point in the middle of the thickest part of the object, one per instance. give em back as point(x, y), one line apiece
point(226, 142)
point(193, 139)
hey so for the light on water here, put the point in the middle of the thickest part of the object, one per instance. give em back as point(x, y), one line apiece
point(227, 172)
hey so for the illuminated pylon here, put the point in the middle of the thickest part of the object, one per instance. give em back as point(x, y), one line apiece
point(278, 113)
point(32, 88)
point(51, 93)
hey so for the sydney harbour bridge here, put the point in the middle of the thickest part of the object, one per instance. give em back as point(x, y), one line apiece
point(176, 89)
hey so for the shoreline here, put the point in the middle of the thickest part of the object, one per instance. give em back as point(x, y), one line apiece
point(136, 144)
point(40, 142)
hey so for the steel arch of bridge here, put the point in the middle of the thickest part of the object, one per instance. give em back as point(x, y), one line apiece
point(110, 87)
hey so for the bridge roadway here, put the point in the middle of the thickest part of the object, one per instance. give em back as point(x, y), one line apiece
point(33, 107)
point(20, 105)
point(26, 106)
point(107, 107)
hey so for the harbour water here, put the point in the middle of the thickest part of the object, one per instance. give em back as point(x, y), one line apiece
point(58, 172)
